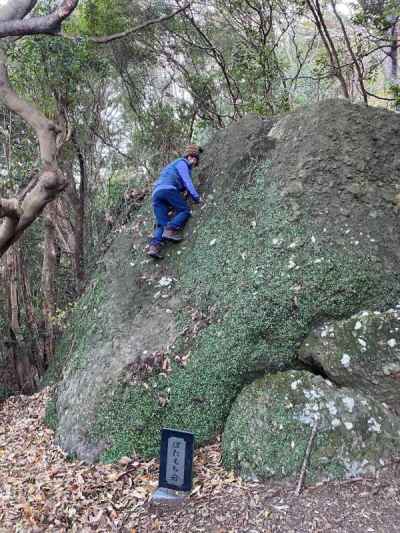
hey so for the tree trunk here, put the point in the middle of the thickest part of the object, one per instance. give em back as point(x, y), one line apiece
point(393, 55)
point(80, 222)
point(36, 344)
point(70, 222)
point(48, 284)
point(356, 62)
point(25, 372)
point(315, 8)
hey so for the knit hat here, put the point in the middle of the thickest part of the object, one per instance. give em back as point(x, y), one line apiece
point(192, 149)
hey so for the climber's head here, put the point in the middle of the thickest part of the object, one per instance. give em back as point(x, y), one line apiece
point(192, 154)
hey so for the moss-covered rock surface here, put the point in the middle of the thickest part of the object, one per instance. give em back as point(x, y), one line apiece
point(271, 422)
point(297, 227)
point(362, 352)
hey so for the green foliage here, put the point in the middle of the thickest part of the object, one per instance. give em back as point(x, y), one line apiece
point(256, 71)
point(54, 74)
point(102, 17)
point(380, 15)
point(110, 196)
point(138, 415)
point(395, 89)
point(163, 130)
point(111, 207)
point(379, 20)
point(51, 71)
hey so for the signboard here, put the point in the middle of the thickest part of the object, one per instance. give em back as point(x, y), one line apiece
point(176, 460)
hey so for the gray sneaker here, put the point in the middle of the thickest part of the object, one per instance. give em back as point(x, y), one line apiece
point(154, 251)
point(172, 235)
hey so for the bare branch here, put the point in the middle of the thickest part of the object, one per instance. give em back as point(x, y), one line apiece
point(220, 60)
point(380, 97)
point(351, 52)
point(109, 38)
point(109, 143)
point(300, 483)
point(301, 61)
point(319, 21)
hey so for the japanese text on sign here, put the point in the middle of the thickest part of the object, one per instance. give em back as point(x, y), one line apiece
point(175, 474)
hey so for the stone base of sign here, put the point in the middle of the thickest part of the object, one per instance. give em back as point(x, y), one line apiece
point(168, 497)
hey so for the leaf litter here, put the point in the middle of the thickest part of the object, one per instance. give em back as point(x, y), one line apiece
point(44, 490)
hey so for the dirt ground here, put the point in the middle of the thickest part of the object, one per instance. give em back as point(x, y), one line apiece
point(41, 489)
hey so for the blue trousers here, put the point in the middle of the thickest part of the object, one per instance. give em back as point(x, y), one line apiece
point(165, 200)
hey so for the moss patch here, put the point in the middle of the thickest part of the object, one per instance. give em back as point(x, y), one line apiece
point(85, 321)
point(51, 417)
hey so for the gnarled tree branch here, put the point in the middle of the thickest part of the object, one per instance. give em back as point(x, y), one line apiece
point(12, 9)
point(17, 27)
point(50, 181)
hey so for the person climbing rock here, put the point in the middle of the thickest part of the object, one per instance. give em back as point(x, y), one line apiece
point(174, 179)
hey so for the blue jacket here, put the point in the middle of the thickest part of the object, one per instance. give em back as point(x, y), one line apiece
point(177, 175)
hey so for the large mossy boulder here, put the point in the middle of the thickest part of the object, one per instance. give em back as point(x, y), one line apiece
point(270, 424)
point(299, 226)
point(362, 352)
